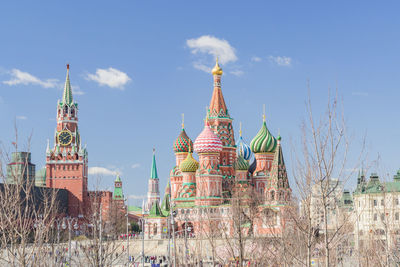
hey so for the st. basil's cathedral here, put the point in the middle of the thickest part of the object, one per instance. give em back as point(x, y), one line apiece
point(207, 186)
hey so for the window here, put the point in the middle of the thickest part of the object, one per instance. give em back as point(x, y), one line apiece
point(382, 216)
point(375, 203)
point(375, 217)
point(382, 202)
point(397, 201)
point(396, 215)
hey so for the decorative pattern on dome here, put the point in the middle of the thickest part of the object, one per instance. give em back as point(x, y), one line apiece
point(189, 164)
point(241, 164)
point(243, 149)
point(188, 190)
point(183, 142)
point(264, 141)
point(207, 141)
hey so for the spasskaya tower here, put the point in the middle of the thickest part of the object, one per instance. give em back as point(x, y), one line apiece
point(67, 161)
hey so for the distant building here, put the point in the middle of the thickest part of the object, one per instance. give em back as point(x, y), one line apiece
point(20, 169)
point(335, 188)
point(40, 178)
point(377, 212)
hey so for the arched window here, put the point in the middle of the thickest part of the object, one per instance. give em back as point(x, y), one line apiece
point(155, 229)
point(272, 195)
point(72, 112)
point(65, 109)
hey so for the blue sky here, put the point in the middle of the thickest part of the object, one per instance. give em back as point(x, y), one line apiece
point(137, 65)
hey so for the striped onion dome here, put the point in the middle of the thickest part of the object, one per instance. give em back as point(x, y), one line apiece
point(183, 142)
point(264, 141)
point(207, 141)
point(241, 163)
point(189, 164)
point(243, 149)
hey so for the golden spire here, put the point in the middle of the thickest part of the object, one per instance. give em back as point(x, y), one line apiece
point(264, 112)
point(217, 69)
point(240, 129)
point(183, 120)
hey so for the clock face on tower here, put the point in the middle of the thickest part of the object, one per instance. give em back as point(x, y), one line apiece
point(64, 138)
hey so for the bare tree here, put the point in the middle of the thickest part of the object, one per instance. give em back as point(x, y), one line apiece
point(324, 157)
point(27, 213)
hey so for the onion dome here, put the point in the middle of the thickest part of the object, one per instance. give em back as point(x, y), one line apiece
point(217, 69)
point(241, 164)
point(253, 166)
point(183, 142)
point(189, 164)
point(207, 141)
point(264, 141)
point(243, 149)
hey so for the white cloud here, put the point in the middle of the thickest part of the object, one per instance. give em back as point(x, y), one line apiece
point(135, 165)
point(110, 77)
point(256, 59)
point(211, 45)
point(237, 72)
point(25, 78)
point(102, 171)
point(76, 90)
point(200, 66)
point(281, 61)
point(21, 117)
point(137, 197)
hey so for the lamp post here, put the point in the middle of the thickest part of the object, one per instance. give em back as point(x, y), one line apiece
point(68, 223)
point(173, 214)
point(127, 230)
point(39, 226)
point(143, 222)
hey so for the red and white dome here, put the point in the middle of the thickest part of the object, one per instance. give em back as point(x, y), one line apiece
point(207, 141)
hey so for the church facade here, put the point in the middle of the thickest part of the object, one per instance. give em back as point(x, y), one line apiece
point(226, 172)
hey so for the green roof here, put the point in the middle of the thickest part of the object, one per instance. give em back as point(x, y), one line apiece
point(375, 186)
point(155, 210)
point(134, 208)
point(67, 95)
point(165, 206)
point(153, 174)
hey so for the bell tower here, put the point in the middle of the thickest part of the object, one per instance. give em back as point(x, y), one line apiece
point(67, 161)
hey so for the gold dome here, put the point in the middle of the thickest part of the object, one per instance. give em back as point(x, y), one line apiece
point(217, 69)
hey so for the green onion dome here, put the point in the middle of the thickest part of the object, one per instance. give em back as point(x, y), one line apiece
point(189, 164)
point(183, 142)
point(241, 164)
point(264, 141)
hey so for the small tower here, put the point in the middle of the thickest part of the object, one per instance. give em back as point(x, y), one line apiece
point(118, 194)
point(208, 177)
point(166, 205)
point(188, 168)
point(153, 194)
point(263, 146)
point(278, 189)
point(181, 146)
